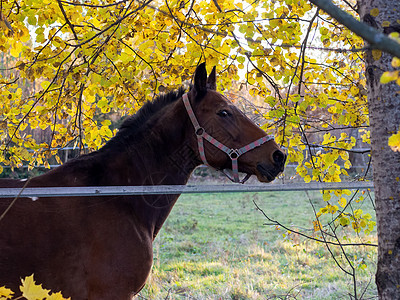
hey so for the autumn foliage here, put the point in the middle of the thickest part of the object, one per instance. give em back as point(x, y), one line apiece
point(31, 291)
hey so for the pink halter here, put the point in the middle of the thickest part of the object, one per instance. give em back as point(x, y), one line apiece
point(232, 153)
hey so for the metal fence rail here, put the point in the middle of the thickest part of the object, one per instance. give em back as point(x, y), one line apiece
point(176, 189)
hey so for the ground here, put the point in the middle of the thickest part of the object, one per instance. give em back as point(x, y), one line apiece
point(219, 246)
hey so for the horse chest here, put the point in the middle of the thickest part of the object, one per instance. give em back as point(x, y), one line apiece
point(118, 255)
point(90, 253)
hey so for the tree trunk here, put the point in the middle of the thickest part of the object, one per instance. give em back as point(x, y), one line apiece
point(384, 112)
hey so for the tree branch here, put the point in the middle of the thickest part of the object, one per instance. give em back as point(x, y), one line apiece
point(67, 20)
point(277, 223)
point(361, 151)
point(374, 37)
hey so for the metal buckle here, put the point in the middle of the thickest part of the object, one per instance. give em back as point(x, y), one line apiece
point(200, 131)
point(234, 154)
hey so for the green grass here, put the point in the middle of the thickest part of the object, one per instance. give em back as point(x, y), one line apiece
point(218, 246)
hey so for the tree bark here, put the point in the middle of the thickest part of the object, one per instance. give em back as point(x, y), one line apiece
point(384, 112)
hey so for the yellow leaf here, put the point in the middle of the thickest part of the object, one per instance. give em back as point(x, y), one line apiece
point(317, 225)
point(31, 290)
point(102, 102)
point(333, 209)
point(57, 296)
point(396, 62)
point(342, 202)
point(5, 292)
point(394, 142)
point(326, 196)
point(385, 24)
point(346, 192)
point(358, 212)
point(367, 216)
point(96, 23)
point(45, 84)
point(354, 90)
point(347, 164)
point(389, 76)
point(344, 221)
point(374, 12)
point(106, 123)
point(16, 49)
point(331, 170)
point(376, 54)
point(355, 226)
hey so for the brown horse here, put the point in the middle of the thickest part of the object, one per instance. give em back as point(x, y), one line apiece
point(101, 247)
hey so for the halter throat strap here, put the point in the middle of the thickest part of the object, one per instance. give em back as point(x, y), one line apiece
point(233, 154)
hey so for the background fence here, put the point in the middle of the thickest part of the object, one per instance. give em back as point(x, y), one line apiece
point(176, 189)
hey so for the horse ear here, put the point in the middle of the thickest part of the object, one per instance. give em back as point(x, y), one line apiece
point(200, 80)
point(211, 81)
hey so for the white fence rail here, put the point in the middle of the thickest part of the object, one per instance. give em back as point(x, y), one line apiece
point(176, 189)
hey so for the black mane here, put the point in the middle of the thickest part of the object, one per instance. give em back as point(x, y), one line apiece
point(150, 108)
point(134, 124)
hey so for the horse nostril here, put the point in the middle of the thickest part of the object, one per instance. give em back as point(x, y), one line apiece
point(279, 157)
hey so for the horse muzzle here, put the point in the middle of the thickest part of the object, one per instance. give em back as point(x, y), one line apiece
point(267, 172)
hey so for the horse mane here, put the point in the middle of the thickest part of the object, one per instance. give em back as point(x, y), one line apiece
point(132, 130)
point(149, 109)
point(133, 125)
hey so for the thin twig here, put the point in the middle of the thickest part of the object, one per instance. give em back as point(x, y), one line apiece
point(14, 200)
point(276, 223)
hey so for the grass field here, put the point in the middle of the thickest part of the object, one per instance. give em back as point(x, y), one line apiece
point(218, 246)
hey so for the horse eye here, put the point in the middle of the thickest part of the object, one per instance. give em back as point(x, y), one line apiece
point(223, 113)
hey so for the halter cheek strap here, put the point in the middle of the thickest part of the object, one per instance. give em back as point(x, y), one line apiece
point(233, 154)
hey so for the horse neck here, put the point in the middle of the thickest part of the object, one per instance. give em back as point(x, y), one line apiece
point(163, 156)
point(165, 153)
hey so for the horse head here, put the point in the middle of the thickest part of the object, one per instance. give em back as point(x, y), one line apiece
point(225, 137)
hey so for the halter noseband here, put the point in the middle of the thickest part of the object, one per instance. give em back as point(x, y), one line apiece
point(232, 153)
